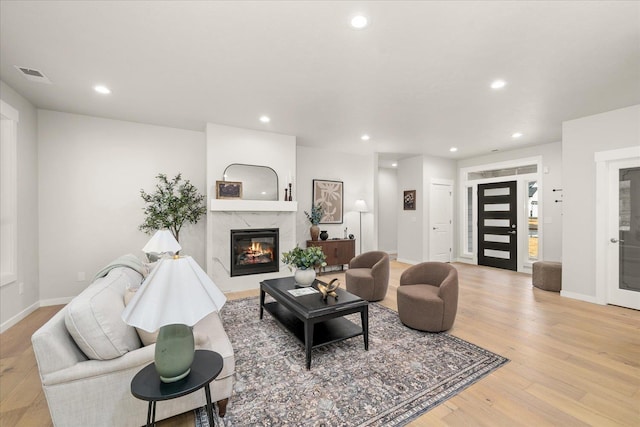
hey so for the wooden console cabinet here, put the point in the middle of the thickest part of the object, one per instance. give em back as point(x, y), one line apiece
point(338, 252)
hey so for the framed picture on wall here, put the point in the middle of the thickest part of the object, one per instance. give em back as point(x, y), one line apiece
point(228, 190)
point(329, 195)
point(409, 200)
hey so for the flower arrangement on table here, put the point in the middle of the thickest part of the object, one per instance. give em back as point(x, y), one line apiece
point(316, 214)
point(304, 259)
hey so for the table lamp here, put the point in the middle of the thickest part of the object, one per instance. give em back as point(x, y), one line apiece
point(361, 206)
point(173, 298)
point(162, 242)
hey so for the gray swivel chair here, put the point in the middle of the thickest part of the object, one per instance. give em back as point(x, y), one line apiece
point(428, 296)
point(368, 275)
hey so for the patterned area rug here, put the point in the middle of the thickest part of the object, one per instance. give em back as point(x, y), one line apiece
point(404, 374)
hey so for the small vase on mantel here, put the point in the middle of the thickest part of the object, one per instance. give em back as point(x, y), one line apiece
point(315, 232)
point(324, 235)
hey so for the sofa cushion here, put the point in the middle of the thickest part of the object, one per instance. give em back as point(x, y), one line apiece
point(94, 319)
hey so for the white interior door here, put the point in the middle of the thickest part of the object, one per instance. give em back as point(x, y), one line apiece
point(623, 252)
point(440, 218)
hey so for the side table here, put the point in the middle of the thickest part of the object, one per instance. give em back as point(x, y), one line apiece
point(146, 385)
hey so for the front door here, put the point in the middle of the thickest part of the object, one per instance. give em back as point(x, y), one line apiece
point(497, 225)
point(624, 234)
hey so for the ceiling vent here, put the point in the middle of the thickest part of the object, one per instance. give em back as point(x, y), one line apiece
point(33, 75)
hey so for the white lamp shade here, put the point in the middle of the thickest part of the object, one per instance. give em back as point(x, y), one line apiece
point(361, 206)
point(162, 242)
point(177, 291)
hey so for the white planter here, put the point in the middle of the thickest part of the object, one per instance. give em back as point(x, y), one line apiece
point(305, 277)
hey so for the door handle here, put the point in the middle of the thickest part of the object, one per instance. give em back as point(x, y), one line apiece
point(614, 240)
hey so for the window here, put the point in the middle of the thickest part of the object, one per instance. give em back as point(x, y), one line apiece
point(494, 173)
point(469, 220)
point(532, 219)
point(8, 194)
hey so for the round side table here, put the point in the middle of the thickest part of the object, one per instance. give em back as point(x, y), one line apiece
point(146, 385)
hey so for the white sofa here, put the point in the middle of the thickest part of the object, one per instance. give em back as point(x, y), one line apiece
point(87, 357)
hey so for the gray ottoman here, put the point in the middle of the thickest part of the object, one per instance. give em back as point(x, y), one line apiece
point(547, 275)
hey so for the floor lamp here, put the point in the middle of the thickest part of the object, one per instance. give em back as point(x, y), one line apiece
point(361, 206)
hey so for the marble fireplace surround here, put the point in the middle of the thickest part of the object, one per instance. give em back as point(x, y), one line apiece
point(227, 215)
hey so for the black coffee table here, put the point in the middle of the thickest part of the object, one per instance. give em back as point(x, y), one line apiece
point(146, 385)
point(310, 319)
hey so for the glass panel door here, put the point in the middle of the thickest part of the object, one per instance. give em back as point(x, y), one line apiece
point(623, 260)
point(629, 229)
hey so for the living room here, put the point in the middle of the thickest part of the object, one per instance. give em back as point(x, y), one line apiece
point(81, 167)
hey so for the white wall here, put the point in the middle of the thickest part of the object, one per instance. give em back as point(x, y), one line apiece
point(410, 223)
point(416, 173)
point(581, 139)
point(389, 199)
point(91, 173)
point(13, 305)
point(357, 174)
point(552, 155)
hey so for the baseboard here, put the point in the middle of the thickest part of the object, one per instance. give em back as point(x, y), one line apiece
point(407, 261)
point(55, 301)
point(18, 317)
point(581, 297)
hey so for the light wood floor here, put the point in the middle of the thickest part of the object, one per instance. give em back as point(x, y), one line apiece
point(572, 363)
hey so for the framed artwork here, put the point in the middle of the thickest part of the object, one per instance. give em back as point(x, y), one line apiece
point(329, 195)
point(228, 190)
point(409, 200)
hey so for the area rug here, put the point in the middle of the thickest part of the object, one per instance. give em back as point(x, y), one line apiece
point(404, 374)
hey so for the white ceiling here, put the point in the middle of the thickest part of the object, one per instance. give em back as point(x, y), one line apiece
point(416, 80)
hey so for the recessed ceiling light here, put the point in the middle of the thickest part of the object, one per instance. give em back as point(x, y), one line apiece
point(394, 165)
point(498, 84)
point(365, 137)
point(453, 149)
point(265, 119)
point(102, 89)
point(516, 135)
point(359, 22)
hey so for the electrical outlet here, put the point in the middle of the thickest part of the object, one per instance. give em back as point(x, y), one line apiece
point(20, 288)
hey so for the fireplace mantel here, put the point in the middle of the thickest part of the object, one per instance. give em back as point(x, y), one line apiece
point(226, 205)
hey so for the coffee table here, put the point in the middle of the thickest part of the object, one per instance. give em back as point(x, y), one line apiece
point(312, 320)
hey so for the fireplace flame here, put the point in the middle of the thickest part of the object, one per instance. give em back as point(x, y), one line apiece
point(257, 254)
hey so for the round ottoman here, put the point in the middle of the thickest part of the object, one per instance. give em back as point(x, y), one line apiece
point(547, 275)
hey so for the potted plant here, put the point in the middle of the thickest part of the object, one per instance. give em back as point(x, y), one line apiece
point(174, 203)
point(304, 261)
point(317, 211)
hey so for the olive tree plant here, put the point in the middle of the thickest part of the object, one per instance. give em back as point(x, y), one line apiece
point(174, 203)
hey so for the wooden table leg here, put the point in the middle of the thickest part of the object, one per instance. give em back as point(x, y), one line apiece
point(308, 341)
point(364, 317)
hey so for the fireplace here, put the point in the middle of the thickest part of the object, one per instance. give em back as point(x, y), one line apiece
point(254, 251)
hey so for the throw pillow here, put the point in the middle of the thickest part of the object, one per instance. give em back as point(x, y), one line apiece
point(94, 320)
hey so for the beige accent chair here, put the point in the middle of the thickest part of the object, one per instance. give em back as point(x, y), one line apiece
point(428, 296)
point(368, 275)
